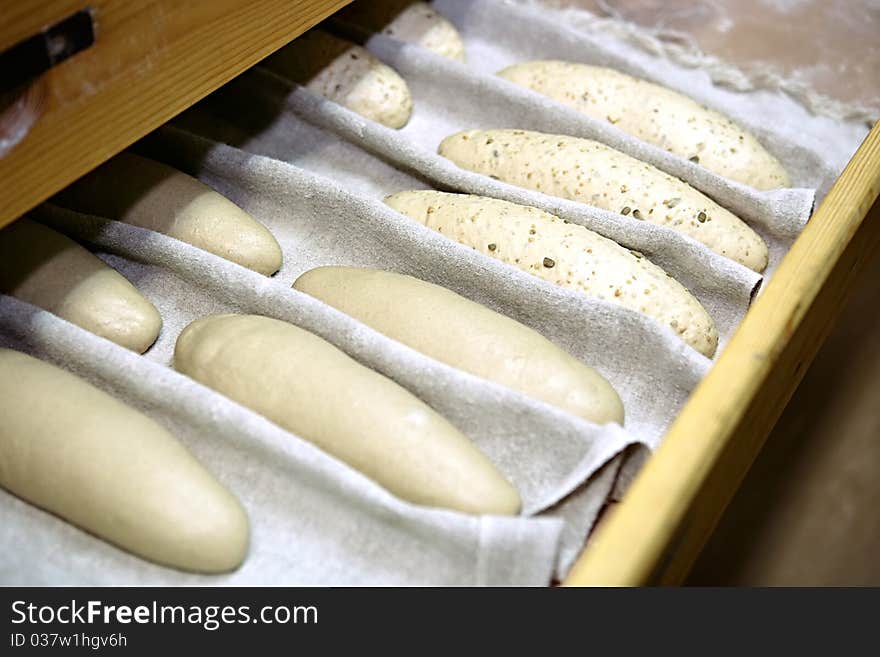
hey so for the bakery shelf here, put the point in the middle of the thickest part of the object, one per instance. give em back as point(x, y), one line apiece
point(657, 531)
point(151, 59)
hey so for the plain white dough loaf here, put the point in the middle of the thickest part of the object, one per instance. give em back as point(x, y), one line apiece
point(656, 115)
point(75, 451)
point(466, 335)
point(563, 253)
point(152, 195)
point(589, 172)
point(347, 74)
point(314, 390)
point(50, 270)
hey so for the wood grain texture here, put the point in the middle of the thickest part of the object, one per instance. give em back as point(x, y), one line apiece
point(22, 19)
point(151, 60)
point(655, 534)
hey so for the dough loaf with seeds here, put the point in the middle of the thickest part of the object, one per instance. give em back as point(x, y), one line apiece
point(657, 115)
point(563, 253)
point(412, 22)
point(589, 172)
point(347, 74)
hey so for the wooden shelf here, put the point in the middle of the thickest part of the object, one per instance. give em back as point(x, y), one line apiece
point(151, 60)
point(656, 533)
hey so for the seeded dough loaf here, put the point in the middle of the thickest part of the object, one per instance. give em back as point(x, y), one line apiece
point(563, 253)
point(81, 454)
point(657, 115)
point(405, 20)
point(466, 335)
point(149, 194)
point(50, 270)
point(347, 74)
point(589, 172)
point(311, 388)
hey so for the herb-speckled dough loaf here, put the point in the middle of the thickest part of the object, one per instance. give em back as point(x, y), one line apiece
point(657, 115)
point(563, 253)
point(412, 22)
point(347, 74)
point(589, 172)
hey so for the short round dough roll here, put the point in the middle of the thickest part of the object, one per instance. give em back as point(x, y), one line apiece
point(589, 172)
point(74, 450)
point(656, 115)
point(152, 195)
point(405, 20)
point(466, 335)
point(565, 254)
point(314, 390)
point(347, 74)
point(50, 270)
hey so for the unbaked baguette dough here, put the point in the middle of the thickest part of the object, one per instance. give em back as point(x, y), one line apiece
point(563, 253)
point(81, 454)
point(589, 172)
point(50, 270)
point(405, 20)
point(146, 193)
point(347, 74)
point(466, 335)
point(657, 115)
point(314, 390)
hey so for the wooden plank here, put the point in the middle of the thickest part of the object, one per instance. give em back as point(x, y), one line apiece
point(654, 535)
point(151, 60)
point(22, 19)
